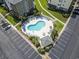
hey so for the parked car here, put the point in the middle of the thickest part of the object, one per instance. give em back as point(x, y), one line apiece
point(5, 25)
point(76, 9)
point(8, 27)
point(76, 12)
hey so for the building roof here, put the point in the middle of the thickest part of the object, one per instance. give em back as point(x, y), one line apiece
point(14, 1)
point(45, 41)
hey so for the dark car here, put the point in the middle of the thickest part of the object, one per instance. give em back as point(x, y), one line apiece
point(76, 11)
point(77, 8)
point(5, 25)
point(8, 27)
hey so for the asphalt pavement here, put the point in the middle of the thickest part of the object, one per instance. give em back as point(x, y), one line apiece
point(13, 46)
point(68, 44)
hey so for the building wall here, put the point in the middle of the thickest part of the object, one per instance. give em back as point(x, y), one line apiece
point(65, 4)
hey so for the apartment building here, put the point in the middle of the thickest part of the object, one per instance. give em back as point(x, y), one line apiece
point(1, 1)
point(60, 4)
point(20, 7)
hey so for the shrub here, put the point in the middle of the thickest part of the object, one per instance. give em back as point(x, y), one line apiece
point(47, 48)
point(54, 34)
point(35, 41)
point(65, 15)
point(41, 50)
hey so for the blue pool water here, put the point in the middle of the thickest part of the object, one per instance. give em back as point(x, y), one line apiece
point(36, 27)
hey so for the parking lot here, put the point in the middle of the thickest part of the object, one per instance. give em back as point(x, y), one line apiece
point(65, 45)
point(16, 46)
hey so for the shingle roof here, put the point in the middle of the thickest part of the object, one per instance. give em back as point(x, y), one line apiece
point(45, 41)
point(14, 1)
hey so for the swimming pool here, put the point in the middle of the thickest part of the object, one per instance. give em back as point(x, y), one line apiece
point(37, 26)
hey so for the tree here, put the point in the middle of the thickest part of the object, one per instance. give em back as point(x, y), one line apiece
point(54, 34)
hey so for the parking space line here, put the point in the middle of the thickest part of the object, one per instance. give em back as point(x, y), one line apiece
point(31, 54)
point(19, 40)
point(55, 55)
point(23, 45)
point(26, 46)
point(63, 40)
point(28, 51)
point(69, 31)
point(57, 46)
point(66, 38)
point(62, 44)
point(36, 56)
point(56, 51)
point(14, 38)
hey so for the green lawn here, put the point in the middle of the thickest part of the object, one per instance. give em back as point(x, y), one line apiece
point(37, 6)
point(58, 15)
point(58, 26)
point(45, 5)
point(12, 20)
point(40, 9)
point(3, 10)
point(19, 27)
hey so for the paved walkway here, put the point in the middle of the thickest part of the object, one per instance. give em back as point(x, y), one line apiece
point(7, 14)
point(48, 17)
point(18, 23)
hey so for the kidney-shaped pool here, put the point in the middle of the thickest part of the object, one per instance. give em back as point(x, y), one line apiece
point(37, 26)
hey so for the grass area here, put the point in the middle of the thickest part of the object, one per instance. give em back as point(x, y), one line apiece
point(3, 10)
point(37, 6)
point(45, 5)
point(58, 26)
point(10, 18)
point(13, 20)
point(34, 40)
point(58, 15)
point(19, 27)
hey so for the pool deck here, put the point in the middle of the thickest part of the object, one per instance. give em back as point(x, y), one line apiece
point(45, 31)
